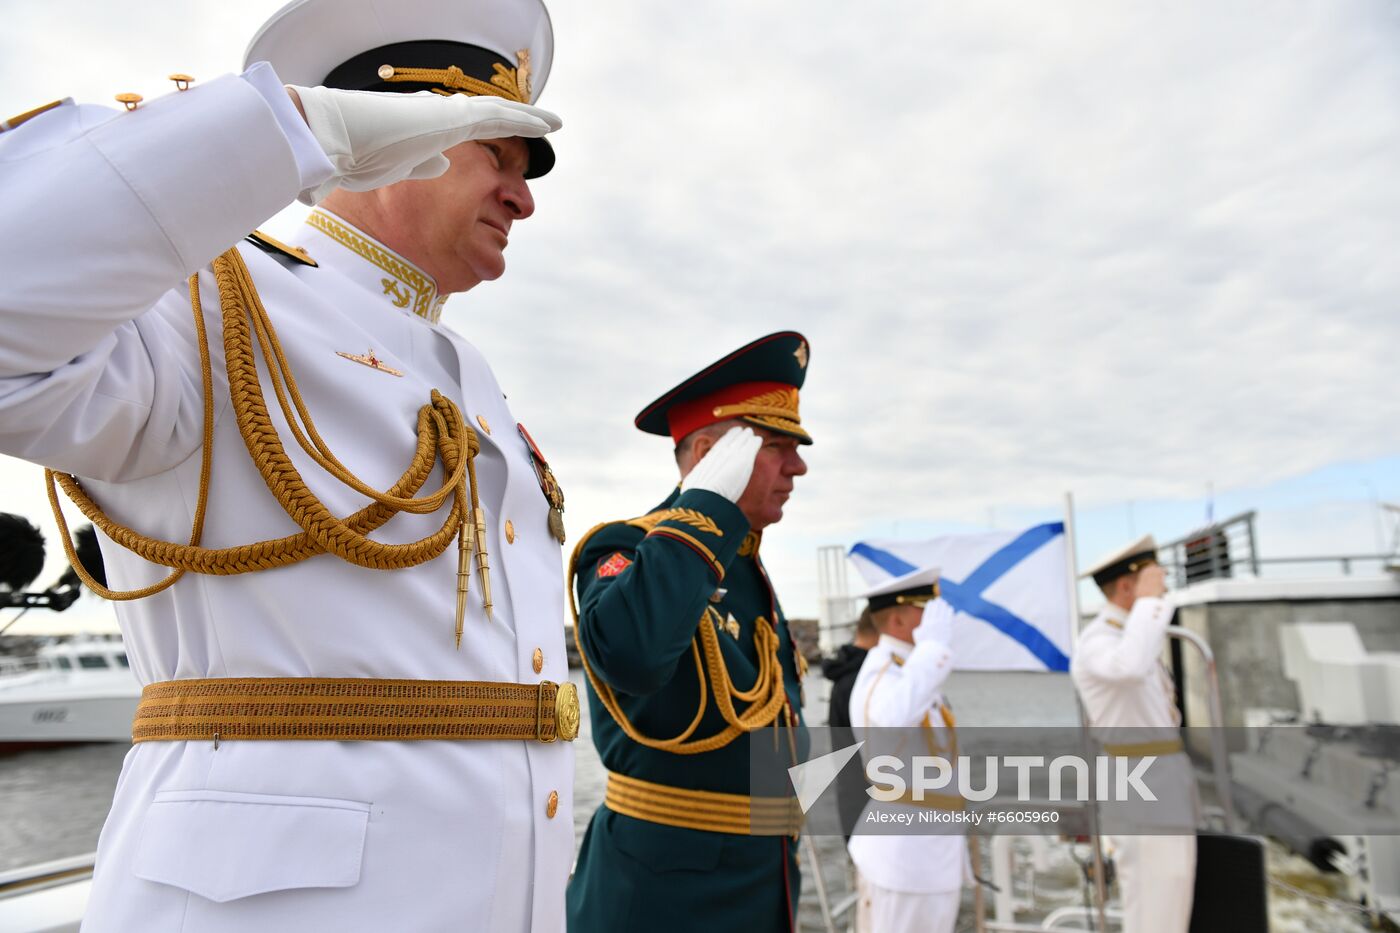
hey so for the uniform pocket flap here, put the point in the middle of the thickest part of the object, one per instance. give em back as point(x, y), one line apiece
point(223, 845)
point(669, 848)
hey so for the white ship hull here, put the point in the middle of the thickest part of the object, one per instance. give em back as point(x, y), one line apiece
point(73, 692)
point(61, 719)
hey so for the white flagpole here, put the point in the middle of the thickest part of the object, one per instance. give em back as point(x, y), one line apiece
point(1096, 840)
point(1072, 567)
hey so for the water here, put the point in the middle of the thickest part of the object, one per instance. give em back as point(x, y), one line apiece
point(56, 799)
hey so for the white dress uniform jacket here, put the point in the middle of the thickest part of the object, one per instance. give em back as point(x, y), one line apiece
point(1118, 672)
point(898, 686)
point(107, 214)
point(1117, 668)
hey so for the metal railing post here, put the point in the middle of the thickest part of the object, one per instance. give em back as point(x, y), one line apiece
point(1253, 545)
point(1220, 761)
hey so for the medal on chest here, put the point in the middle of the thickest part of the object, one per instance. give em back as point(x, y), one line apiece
point(548, 485)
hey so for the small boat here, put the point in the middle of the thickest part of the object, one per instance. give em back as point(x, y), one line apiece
point(77, 690)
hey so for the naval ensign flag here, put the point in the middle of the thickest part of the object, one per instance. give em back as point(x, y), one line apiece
point(1008, 588)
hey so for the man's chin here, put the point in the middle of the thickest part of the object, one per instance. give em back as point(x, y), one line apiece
point(489, 263)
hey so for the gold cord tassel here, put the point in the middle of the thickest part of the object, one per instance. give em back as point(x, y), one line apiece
point(464, 572)
point(482, 568)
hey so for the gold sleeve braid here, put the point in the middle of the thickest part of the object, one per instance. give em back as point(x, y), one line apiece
point(442, 432)
point(766, 698)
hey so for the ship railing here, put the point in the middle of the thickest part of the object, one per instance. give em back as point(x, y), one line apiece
point(1219, 754)
point(33, 878)
point(10, 666)
point(1227, 549)
point(1218, 551)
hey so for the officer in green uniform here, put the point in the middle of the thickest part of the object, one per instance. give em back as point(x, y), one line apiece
point(687, 652)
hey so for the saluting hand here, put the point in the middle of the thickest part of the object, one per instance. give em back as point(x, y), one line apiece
point(726, 467)
point(377, 138)
point(1151, 581)
point(937, 623)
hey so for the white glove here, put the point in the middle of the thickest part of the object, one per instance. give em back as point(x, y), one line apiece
point(937, 623)
point(726, 467)
point(376, 138)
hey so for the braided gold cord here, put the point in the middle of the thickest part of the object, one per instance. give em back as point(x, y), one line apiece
point(206, 372)
point(766, 698)
point(458, 81)
point(765, 661)
point(442, 431)
point(315, 447)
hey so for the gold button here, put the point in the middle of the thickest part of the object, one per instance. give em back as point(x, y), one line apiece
point(386, 72)
point(485, 425)
point(539, 660)
point(129, 101)
point(552, 807)
point(182, 81)
point(510, 532)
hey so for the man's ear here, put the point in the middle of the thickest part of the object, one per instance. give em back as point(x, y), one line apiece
point(702, 446)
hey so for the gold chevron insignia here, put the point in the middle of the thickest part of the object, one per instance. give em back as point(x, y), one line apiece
point(691, 517)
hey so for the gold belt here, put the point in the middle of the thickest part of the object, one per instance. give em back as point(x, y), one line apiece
point(354, 710)
point(709, 811)
point(1144, 749)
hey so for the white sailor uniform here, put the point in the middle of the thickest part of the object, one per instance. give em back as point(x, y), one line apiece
point(107, 214)
point(1118, 672)
point(909, 882)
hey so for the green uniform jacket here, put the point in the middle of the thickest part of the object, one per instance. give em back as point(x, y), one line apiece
point(637, 617)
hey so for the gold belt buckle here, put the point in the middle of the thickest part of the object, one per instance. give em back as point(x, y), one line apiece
point(565, 712)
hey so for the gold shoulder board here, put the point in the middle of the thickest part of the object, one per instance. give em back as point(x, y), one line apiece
point(272, 245)
point(31, 114)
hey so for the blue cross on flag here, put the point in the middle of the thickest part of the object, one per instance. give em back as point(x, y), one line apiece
point(1009, 588)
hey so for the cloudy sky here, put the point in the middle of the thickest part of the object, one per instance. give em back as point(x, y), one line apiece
point(1132, 250)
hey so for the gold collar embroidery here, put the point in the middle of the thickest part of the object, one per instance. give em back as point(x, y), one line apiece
point(404, 284)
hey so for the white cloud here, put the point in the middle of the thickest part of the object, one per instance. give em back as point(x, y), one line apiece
point(1120, 248)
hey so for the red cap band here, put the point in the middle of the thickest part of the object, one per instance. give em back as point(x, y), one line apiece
point(686, 417)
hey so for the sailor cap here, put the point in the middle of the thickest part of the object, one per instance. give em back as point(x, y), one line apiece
point(911, 589)
point(1124, 561)
point(501, 48)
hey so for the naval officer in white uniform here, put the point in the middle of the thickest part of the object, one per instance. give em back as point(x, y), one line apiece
point(220, 822)
point(911, 881)
point(1128, 694)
